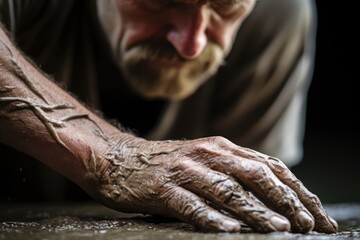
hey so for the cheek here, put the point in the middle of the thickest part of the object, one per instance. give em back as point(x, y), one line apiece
point(222, 34)
point(223, 29)
point(230, 34)
point(137, 32)
point(137, 27)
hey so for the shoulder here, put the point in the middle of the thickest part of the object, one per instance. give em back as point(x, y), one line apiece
point(18, 16)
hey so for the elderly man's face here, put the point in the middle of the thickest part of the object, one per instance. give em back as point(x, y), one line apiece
point(168, 48)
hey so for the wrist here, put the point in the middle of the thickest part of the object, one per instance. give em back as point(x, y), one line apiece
point(99, 159)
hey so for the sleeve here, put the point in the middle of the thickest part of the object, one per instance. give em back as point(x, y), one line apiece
point(262, 90)
point(34, 24)
point(11, 12)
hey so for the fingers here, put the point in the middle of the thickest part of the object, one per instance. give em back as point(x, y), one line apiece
point(228, 195)
point(188, 207)
point(259, 179)
point(245, 170)
point(323, 223)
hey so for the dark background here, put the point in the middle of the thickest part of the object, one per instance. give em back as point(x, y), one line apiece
point(330, 167)
point(332, 149)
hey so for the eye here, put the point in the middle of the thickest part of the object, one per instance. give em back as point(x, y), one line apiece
point(155, 5)
point(228, 10)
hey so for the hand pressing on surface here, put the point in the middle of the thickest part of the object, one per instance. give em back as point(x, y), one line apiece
point(209, 182)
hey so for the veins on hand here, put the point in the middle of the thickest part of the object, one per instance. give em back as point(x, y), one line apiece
point(125, 161)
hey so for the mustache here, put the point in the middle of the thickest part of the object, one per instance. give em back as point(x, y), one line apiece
point(155, 50)
point(146, 52)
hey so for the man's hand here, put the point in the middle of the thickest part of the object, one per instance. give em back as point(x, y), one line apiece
point(210, 183)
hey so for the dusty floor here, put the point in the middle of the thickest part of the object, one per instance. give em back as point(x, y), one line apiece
point(92, 221)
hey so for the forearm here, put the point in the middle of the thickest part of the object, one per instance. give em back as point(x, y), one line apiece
point(182, 179)
point(42, 120)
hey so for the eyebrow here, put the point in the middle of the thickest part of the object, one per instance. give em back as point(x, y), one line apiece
point(228, 2)
point(225, 2)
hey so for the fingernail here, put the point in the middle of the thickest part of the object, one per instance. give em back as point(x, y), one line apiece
point(305, 222)
point(280, 223)
point(231, 225)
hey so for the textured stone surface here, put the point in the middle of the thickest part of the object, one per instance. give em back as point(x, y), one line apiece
point(93, 221)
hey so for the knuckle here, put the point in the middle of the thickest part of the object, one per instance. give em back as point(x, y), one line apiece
point(315, 200)
point(219, 141)
point(224, 188)
point(209, 151)
point(257, 170)
point(277, 165)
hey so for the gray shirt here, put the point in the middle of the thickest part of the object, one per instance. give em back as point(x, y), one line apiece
point(257, 99)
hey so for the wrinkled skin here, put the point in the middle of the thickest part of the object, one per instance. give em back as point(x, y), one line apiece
point(209, 182)
point(180, 43)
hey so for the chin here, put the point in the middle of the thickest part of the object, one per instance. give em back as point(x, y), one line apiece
point(151, 79)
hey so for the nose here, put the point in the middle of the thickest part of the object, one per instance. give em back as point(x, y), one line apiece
point(187, 32)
